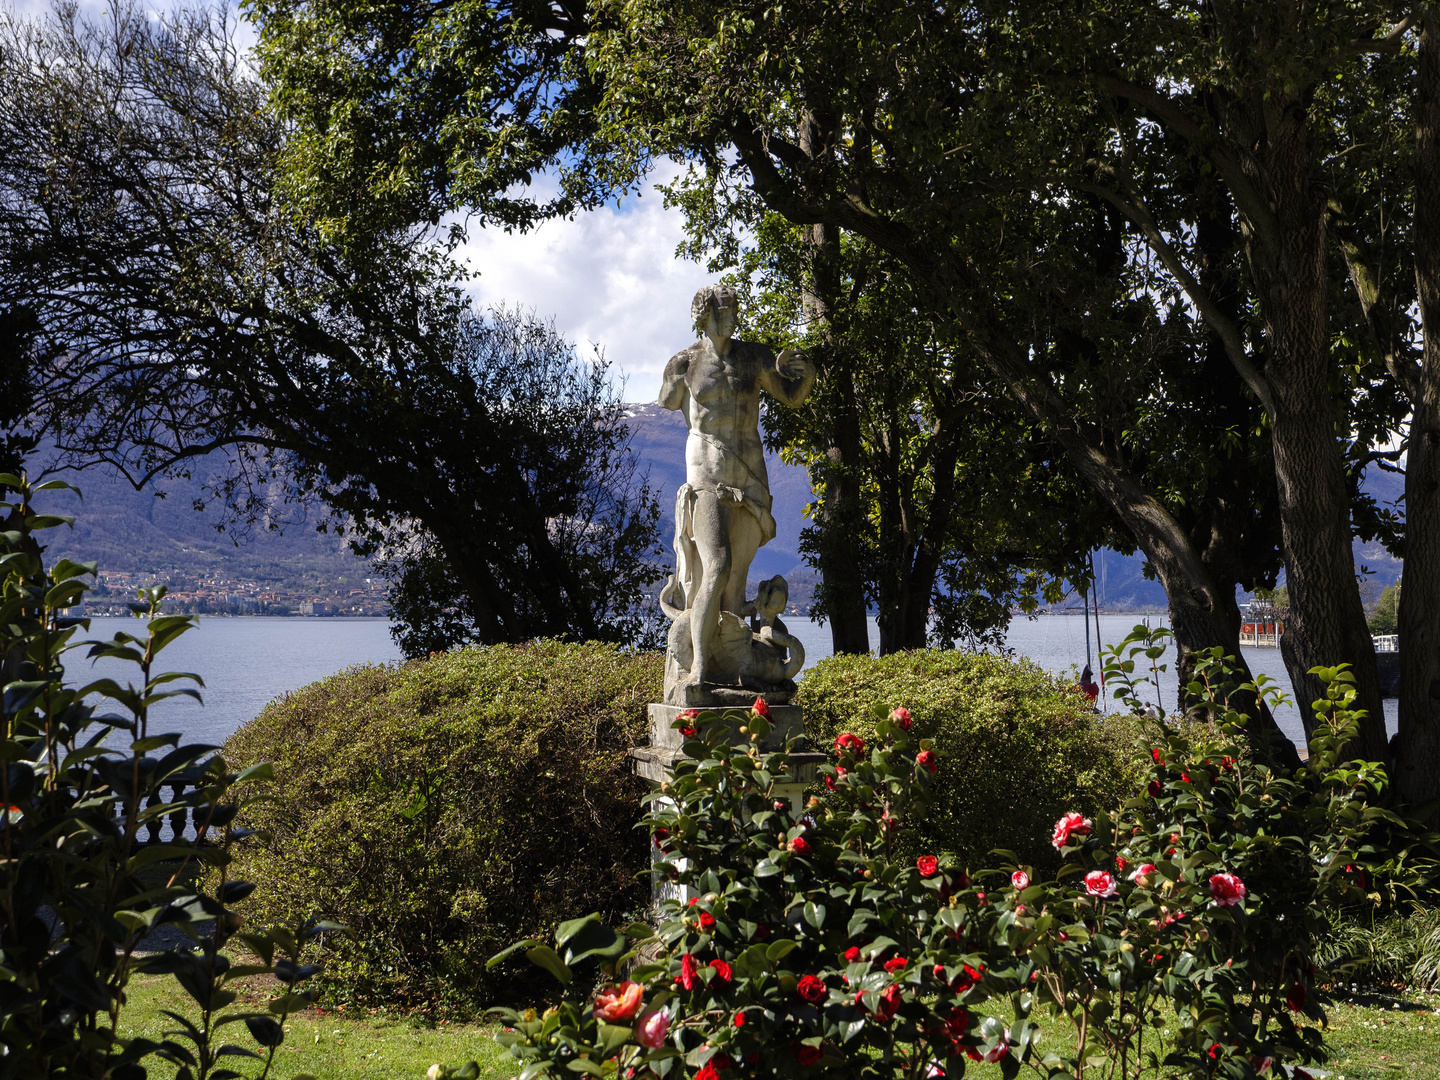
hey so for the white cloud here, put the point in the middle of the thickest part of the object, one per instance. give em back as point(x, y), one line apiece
point(609, 277)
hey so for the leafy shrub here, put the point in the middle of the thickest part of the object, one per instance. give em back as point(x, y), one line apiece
point(809, 946)
point(80, 889)
point(1023, 746)
point(1399, 950)
point(441, 809)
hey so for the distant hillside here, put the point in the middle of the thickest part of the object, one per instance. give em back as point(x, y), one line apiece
point(138, 532)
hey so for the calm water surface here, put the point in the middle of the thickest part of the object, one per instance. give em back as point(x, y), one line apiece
point(247, 662)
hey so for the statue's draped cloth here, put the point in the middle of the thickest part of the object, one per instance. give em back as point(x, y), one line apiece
point(753, 499)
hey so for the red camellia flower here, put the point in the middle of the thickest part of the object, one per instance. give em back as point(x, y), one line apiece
point(1185, 777)
point(957, 1023)
point(707, 921)
point(852, 954)
point(1295, 997)
point(760, 708)
point(1154, 789)
point(711, 1069)
point(901, 716)
point(896, 964)
point(887, 1006)
point(805, 1055)
point(688, 729)
point(618, 1002)
point(740, 1020)
point(928, 865)
point(1072, 824)
point(650, 1031)
point(840, 771)
point(800, 846)
point(1099, 883)
point(1155, 756)
point(927, 760)
point(849, 745)
point(1227, 762)
point(720, 971)
point(689, 970)
point(967, 978)
point(1226, 889)
point(812, 989)
point(1020, 880)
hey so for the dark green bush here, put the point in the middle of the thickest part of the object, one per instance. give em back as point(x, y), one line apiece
point(1020, 747)
point(442, 809)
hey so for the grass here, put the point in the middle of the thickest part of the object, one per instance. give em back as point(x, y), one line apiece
point(328, 1044)
point(1369, 1037)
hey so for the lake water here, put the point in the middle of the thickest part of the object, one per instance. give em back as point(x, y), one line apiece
point(247, 662)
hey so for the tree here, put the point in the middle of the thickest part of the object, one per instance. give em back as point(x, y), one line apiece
point(187, 309)
point(955, 512)
point(1384, 620)
point(1002, 154)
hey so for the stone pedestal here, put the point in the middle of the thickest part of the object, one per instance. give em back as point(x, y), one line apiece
point(656, 763)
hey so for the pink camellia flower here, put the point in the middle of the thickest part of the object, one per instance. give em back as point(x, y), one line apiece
point(760, 708)
point(901, 716)
point(1141, 875)
point(1020, 880)
point(800, 846)
point(812, 989)
point(928, 865)
point(1226, 889)
point(848, 744)
point(1072, 824)
point(1099, 883)
point(999, 1050)
point(927, 760)
point(650, 1032)
point(618, 1002)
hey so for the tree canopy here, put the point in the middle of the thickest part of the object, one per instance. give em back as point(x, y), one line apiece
point(177, 304)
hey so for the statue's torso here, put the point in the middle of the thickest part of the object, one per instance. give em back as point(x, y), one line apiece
point(722, 409)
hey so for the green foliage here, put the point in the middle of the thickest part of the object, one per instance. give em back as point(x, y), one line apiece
point(80, 889)
point(1399, 950)
point(1026, 746)
point(1385, 619)
point(443, 808)
point(810, 944)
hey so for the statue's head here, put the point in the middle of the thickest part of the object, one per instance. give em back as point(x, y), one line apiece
point(712, 300)
point(771, 597)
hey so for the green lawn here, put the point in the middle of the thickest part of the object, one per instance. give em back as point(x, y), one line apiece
point(328, 1044)
point(1368, 1041)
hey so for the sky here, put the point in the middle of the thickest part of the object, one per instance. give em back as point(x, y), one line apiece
point(609, 278)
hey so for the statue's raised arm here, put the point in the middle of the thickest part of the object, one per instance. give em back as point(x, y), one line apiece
point(790, 380)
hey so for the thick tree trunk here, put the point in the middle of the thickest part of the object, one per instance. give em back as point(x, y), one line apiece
point(1327, 620)
point(1203, 614)
point(841, 566)
point(1417, 770)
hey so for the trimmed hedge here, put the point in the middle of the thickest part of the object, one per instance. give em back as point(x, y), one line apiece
point(447, 808)
point(1018, 747)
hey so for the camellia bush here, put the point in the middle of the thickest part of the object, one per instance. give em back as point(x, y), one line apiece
point(802, 943)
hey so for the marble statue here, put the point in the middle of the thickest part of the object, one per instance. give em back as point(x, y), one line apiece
point(722, 516)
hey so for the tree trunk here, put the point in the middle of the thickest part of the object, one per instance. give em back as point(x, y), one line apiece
point(1417, 770)
point(1327, 619)
point(840, 559)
